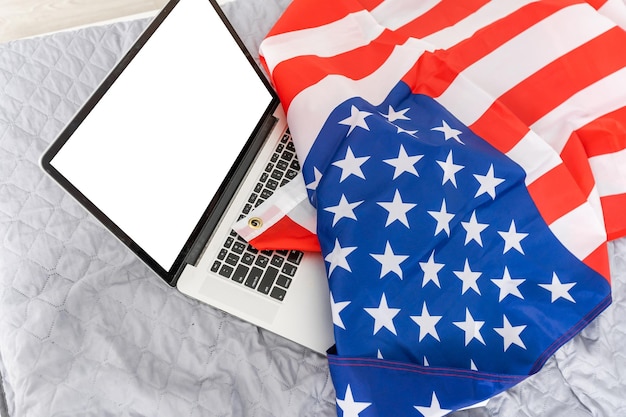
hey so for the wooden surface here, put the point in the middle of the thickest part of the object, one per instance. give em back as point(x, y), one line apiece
point(26, 18)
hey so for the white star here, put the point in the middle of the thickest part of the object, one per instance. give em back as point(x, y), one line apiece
point(469, 278)
point(471, 328)
point(448, 132)
point(443, 219)
point(511, 334)
point(449, 169)
point(397, 209)
point(426, 361)
point(404, 163)
point(383, 316)
point(473, 365)
point(558, 289)
point(431, 268)
point(317, 177)
point(343, 209)
point(336, 309)
point(508, 285)
point(408, 132)
point(389, 261)
point(473, 230)
point(350, 407)
point(337, 258)
point(433, 410)
point(351, 165)
point(427, 324)
point(512, 239)
point(488, 183)
point(393, 115)
point(356, 119)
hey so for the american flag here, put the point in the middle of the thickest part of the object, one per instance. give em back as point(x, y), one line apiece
point(462, 164)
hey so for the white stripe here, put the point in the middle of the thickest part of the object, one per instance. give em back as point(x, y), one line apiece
point(282, 202)
point(616, 11)
point(527, 53)
point(610, 173)
point(580, 231)
point(483, 17)
point(311, 107)
point(305, 215)
point(394, 14)
point(351, 32)
point(535, 156)
point(583, 107)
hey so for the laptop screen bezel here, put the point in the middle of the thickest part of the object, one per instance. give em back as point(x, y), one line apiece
point(213, 212)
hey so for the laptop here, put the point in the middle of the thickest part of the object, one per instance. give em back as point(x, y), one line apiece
point(183, 138)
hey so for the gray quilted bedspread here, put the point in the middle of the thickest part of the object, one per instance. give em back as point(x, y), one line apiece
point(87, 330)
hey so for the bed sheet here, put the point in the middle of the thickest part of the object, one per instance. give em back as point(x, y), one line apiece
point(87, 330)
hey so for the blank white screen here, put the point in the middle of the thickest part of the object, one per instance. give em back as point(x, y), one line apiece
point(154, 150)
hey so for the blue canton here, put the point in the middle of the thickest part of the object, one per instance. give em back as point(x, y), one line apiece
point(435, 252)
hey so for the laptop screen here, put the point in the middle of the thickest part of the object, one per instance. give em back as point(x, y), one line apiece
point(154, 150)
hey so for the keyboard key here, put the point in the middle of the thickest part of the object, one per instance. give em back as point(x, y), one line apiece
point(268, 280)
point(262, 261)
point(291, 174)
point(295, 257)
point(295, 165)
point(289, 269)
point(265, 194)
point(282, 165)
point(254, 277)
point(226, 271)
point(232, 259)
point(283, 281)
point(277, 261)
point(216, 266)
point(239, 247)
point(247, 258)
point(278, 293)
point(288, 156)
point(269, 167)
point(229, 242)
point(277, 175)
point(222, 254)
point(240, 273)
point(272, 184)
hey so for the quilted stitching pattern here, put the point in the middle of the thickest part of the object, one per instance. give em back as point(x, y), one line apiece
point(86, 328)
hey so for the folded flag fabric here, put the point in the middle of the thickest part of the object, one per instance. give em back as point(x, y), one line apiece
point(461, 174)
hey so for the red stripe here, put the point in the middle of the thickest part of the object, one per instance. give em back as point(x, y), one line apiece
point(500, 127)
point(613, 209)
point(296, 74)
point(598, 260)
point(575, 159)
point(446, 13)
point(555, 194)
point(596, 4)
point(287, 234)
point(370, 4)
point(306, 14)
point(562, 78)
point(606, 134)
point(494, 35)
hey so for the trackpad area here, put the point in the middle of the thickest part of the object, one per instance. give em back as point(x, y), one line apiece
point(238, 301)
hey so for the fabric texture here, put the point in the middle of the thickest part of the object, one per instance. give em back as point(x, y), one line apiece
point(87, 330)
point(365, 84)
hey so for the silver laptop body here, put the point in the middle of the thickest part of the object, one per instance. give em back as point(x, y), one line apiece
point(182, 138)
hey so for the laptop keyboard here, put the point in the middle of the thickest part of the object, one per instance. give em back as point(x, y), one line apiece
point(266, 272)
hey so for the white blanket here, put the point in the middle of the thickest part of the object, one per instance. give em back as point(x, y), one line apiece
point(87, 330)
